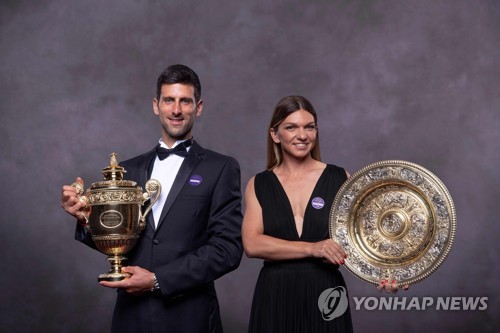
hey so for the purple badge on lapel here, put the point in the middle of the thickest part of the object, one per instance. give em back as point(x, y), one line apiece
point(195, 180)
point(317, 203)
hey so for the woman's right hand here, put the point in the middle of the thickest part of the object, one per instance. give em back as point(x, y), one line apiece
point(330, 250)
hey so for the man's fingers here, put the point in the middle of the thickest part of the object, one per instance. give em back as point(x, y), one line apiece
point(129, 269)
point(74, 205)
point(114, 284)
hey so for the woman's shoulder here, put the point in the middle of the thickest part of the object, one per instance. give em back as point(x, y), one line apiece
point(263, 175)
point(259, 177)
point(334, 166)
point(337, 170)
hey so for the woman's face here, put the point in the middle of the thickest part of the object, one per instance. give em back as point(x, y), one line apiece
point(297, 134)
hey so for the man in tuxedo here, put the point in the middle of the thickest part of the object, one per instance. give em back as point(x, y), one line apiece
point(193, 235)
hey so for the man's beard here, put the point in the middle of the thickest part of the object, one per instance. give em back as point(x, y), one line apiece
point(179, 134)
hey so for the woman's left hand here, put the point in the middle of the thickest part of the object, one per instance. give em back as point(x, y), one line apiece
point(390, 286)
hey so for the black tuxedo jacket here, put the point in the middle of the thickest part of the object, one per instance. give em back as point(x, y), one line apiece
point(198, 239)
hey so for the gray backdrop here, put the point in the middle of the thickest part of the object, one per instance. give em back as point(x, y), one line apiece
point(411, 80)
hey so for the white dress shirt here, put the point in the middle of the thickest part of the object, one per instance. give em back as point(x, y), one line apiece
point(165, 172)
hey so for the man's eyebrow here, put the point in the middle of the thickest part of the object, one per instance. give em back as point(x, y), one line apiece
point(180, 98)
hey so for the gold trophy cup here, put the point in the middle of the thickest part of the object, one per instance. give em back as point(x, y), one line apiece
point(113, 214)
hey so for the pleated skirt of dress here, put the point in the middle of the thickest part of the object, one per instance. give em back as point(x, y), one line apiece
point(286, 298)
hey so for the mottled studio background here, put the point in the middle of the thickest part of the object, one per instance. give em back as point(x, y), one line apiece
point(410, 80)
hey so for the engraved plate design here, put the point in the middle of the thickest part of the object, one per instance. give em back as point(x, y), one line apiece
point(396, 220)
point(111, 219)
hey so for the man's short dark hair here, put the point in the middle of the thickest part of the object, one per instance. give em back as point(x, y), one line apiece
point(179, 74)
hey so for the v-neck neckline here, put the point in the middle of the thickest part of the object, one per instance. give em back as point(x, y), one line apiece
point(290, 210)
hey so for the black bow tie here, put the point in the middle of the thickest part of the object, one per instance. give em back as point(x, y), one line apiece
point(180, 150)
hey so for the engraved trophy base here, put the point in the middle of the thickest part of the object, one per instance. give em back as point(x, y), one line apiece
point(115, 273)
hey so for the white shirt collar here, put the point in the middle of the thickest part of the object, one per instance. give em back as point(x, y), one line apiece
point(164, 145)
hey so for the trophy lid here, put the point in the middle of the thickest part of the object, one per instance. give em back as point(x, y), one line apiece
point(113, 171)
point(113, 176)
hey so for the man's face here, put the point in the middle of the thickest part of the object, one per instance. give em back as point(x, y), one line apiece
point(177, 110)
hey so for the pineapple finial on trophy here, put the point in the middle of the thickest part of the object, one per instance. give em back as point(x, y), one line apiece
point(113, 171)
point(113, 162)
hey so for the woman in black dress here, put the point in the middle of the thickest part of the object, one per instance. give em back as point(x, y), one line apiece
point(300, 288)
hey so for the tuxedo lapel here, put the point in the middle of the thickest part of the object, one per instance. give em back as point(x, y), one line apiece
point(187, 167)
point(144, 168)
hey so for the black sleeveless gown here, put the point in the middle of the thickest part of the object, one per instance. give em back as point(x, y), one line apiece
point(286, 294)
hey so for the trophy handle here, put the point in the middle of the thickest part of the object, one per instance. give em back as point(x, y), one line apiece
point(153, 190)
point(79, 193)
